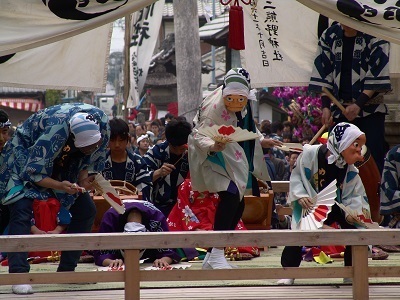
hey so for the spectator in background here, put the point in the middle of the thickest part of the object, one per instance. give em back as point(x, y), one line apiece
point(132, 128)
point(287, 127)
point(292, 158)
point(125, 165)
point(168, 118)
point(114, 109)
point(168, 163)
point(143, 145)
point(140, 130)
point(155, 129)
point(276, 134)
point(287, 137)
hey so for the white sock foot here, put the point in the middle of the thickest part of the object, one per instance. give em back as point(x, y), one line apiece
point(288, 281)
point(217, 260)
point(21, 289)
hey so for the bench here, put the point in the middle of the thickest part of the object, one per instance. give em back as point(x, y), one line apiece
point(133, 242)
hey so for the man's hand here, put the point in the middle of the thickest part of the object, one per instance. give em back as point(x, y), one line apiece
point(270, 143)
point(305, 202)
point(352, 112)
point(165, 170)
point(326, 117)
point(87, 183)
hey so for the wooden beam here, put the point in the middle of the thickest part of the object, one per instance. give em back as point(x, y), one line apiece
point(132, 275)
point(360, 272)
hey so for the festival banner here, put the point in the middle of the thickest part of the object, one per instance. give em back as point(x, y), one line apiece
point(281, 38)
point(377, 18)
point(144, 33)
point(76, 63)
point(32, 23)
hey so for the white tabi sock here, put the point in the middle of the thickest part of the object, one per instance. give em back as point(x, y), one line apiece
point(21, 289)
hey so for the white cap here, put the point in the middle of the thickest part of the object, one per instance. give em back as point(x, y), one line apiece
point(85, 129)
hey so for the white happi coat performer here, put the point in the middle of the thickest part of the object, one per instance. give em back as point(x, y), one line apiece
point(229, 169)
point(315, 169)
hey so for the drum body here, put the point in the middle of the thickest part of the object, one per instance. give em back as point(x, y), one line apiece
point(371, 179)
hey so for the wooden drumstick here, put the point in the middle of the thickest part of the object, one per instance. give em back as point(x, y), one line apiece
point(318, 134)
point(333, 99)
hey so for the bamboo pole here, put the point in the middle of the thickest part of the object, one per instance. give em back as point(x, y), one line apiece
point(318, 134)
point(333, 99)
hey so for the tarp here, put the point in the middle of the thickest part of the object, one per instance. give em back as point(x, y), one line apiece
point(58, 44)
point(76, 63)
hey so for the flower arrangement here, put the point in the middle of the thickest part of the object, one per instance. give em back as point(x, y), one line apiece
point(303, 108)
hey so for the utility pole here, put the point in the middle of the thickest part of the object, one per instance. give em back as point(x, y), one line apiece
point(188, 57)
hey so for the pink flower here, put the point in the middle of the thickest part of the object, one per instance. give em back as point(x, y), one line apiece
point(225, 115)
point(239, 155)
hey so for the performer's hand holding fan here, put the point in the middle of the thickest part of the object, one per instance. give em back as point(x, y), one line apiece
point(291, 147)
point(313, 218)
point(227, 134)
point(360, 219)
point(109, 193)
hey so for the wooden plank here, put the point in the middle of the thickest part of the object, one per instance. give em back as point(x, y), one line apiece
point(387, 271)
point(248, 274)
point(381, 292)
point(153, 240)
point(360, 272)
point(61, 277)
point(132, 278)
point(280, 186)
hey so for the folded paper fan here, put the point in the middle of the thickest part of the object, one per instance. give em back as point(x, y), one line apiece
point(227, 134)
point(291, 147)
point(109, 193)
point(361, 219)
point(313, 217)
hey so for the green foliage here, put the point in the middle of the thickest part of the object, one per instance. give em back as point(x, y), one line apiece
point(53, 97)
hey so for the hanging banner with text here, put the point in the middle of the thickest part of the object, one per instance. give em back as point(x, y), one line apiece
point(32, 23)
point(281, 38)
point(145, 28)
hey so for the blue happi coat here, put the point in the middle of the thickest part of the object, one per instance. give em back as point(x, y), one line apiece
point(370, 67)
point(41, 140)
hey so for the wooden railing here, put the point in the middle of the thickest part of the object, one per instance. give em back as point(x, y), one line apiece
point(132, 242)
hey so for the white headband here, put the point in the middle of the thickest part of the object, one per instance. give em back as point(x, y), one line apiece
point(142, 137)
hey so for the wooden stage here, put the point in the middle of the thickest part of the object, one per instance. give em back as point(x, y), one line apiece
point(381, 292)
